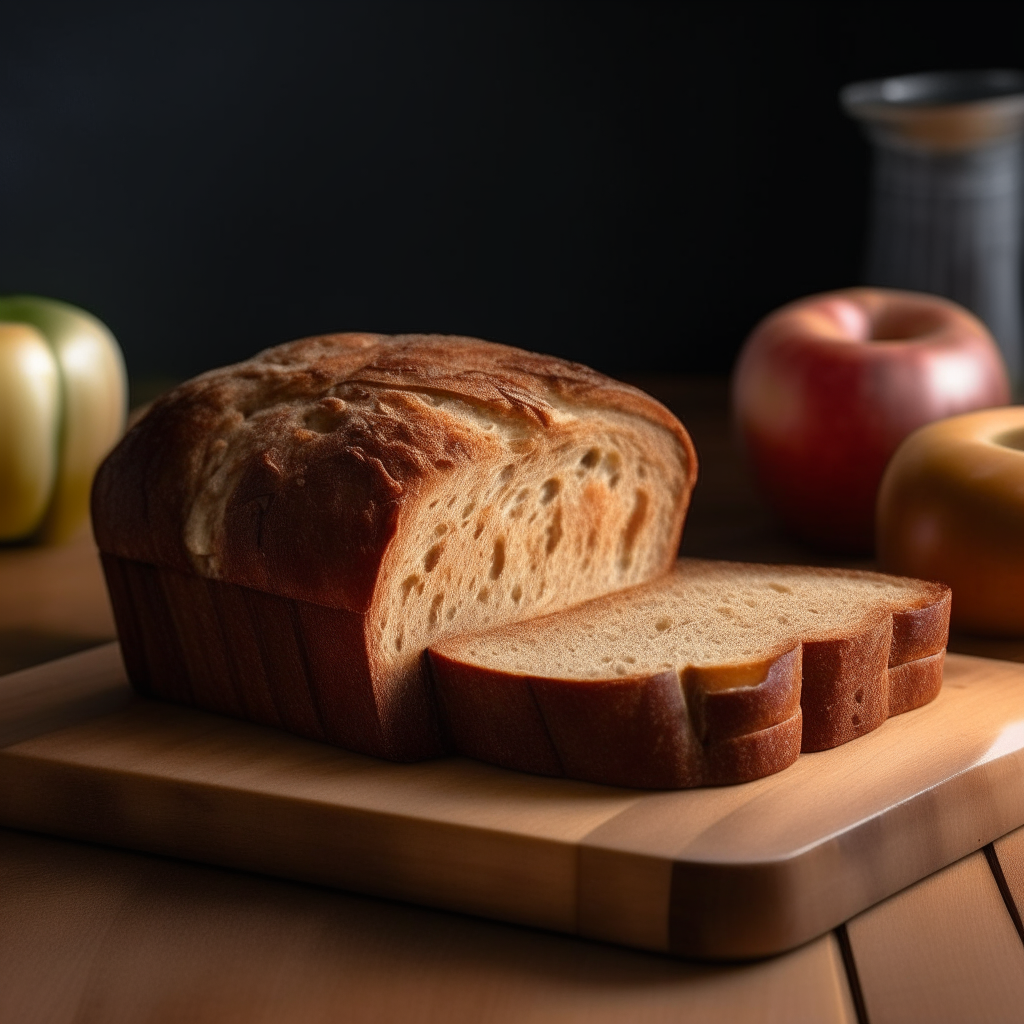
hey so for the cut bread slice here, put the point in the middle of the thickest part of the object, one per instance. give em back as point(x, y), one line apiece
point(719, 672)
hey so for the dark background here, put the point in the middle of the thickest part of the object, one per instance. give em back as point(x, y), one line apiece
point(631, 185)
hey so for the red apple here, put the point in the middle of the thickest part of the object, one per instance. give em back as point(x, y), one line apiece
point(827, 387)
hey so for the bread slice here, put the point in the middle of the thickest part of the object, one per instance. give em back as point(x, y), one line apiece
point(282, 538)
point(719, 672)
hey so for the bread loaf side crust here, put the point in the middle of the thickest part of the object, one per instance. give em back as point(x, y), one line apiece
point(922, 629)
point(914, 683)
point(852, 684)
point(644, 731)
point(267, 659)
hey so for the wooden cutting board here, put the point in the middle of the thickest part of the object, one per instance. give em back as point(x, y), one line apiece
point(733, 872)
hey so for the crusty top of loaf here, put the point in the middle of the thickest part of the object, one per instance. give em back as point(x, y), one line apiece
point(287, 472)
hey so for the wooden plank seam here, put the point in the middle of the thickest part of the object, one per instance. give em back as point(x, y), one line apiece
point(1004, 890)
point(852, 978)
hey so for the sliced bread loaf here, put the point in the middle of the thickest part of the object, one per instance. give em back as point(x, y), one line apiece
point(719, 672)
point(282, 538)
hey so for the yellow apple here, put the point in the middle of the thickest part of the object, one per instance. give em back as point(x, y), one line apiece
point(63, 399)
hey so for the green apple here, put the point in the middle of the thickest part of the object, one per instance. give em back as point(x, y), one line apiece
point(63, 400)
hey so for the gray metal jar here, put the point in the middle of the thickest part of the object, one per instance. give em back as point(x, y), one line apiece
point(946, 199)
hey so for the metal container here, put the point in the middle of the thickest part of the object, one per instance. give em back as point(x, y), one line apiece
point(946, 203)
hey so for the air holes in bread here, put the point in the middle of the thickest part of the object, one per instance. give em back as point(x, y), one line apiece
point(530, 538)
point(549, 490)
point(632, 531)
point(859, 695)
point(662, 624)
point(498, 558)
point(409, 584)
point(518, 506)
point(432, 557)
point(780, 588)
point(612, 466)
point(553, 532)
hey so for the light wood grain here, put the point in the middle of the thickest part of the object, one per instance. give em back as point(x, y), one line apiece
point(734, 871)
point(944, 950)
point(172, 780)
point(88, 934)
point(791, 855)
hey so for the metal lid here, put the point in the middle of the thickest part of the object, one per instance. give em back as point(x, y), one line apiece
point(939, 111)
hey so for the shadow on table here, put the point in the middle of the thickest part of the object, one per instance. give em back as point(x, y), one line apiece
point(20, 648)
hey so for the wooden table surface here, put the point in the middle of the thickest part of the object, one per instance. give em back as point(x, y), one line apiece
point(93, 934)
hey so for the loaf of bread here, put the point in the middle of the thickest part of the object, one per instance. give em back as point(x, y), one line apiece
point(283, 538)
point(717, 673)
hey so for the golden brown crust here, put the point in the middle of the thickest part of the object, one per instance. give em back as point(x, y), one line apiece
point(267, 659)
point(852, 684)
point(923, 629)
point(646, 732)
point(340, 437)
point(846, 685)
point(914, 683)
point(754, 755)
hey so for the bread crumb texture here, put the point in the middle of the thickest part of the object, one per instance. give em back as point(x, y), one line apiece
point(705, 614)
